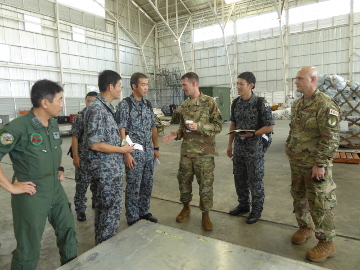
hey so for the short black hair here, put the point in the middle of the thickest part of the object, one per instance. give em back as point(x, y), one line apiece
point(249, 77)
point(91, 94)
point(135, 78)
point(192, 76)
point(44, 89)
point(106, 78)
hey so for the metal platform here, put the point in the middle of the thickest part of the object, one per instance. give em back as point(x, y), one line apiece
point(149, 246)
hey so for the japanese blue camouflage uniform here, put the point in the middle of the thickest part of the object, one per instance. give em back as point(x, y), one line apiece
point(198, 149)
point(107, 169)
point(139, 181)
point(82, 175)
point(248, 153)
point(312, 140)
point(35, 152)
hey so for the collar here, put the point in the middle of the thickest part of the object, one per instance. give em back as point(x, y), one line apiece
point(35, 122)
point(105, 103)
point(252, 99)
point(135, 101)
point(311, 99)
point(198, 99)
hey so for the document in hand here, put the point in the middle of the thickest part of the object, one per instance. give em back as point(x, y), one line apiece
point(136, 145)
point(241, 131)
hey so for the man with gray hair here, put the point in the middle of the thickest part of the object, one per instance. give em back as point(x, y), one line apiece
point(312, 141)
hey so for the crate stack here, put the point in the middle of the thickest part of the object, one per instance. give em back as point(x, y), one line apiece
point(347, 95)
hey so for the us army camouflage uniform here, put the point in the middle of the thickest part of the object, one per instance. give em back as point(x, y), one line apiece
point(139, 181)
point(198, 149)
point(107, 168)
point(82, 176)
point(248, 159)
point(313, 139)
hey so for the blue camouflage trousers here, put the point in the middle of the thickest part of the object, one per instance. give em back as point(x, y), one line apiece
point(314, 202)
point(203, 169)
point(83, 178)
point(108, 202)
point(139, 183)
point(248, 177)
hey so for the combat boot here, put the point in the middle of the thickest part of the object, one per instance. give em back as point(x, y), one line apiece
point(206, 222)
point(321, 251)
point(185, 212)
point(301, 235)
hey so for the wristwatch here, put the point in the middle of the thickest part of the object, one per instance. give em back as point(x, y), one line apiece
point(61, 169)
point(156, 148)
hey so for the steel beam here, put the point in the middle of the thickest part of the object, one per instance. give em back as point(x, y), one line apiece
point(351, 40)
point(119, 24)
point(57, 17)
point(284, 39)
point(162, 18)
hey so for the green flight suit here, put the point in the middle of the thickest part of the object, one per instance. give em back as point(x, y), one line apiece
point(35, 152)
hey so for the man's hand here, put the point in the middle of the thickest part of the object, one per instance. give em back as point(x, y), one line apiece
point(23, 187)
point(76, 161)
point(229, 152)
point(156, 154)
point(129, 161)
point(61, 176)
point(127, 148)
point(317, 173)
point(247, 135)
point(192, 126)
point(171, 136)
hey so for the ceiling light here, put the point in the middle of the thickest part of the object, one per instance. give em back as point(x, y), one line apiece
point(231, 1)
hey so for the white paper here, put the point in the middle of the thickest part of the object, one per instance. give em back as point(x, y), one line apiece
point(136, 145)
point(156, 163)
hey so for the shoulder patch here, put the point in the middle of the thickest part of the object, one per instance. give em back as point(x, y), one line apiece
point(332, 121)
point(266, 104)
point(333, 112)
point(7, 138)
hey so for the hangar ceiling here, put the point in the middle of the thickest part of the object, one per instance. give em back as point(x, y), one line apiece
point(170, 9)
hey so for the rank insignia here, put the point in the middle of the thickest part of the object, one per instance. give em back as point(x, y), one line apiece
point(36, 139)
point(56, 135)
point(7, 139)
point(36, 121)
point(332, 121)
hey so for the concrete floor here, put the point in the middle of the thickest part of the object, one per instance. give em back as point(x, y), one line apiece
point(271, 234)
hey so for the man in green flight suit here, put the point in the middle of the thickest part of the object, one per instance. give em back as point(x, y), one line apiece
point(34, 145)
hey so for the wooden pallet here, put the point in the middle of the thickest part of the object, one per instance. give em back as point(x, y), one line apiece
point(346, 157)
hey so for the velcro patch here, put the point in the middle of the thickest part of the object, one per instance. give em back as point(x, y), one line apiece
point(7, 138)
point(332, 121)
point(333, 112)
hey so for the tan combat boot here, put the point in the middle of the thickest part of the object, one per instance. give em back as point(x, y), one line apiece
point(321, 251)
point(300, 236)
point(206, 222)
point(185, 212)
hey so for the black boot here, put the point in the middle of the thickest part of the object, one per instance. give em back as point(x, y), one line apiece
point(240, 209)
point(149, 217)
point(81, 216)
point(253, 217)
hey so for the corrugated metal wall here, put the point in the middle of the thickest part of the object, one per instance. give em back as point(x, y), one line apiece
point(322, 43)
point(33, 56)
